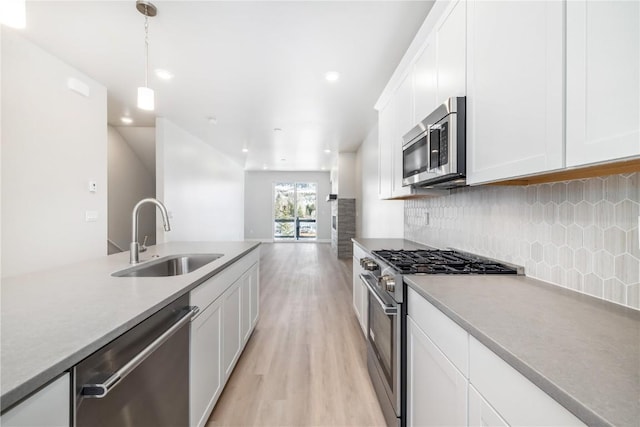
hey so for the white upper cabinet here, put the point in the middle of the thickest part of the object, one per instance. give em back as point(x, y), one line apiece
point(451, 42)
point(603, 81)
point(514, 88)
point(386, 118)
point(425, 81)
point(403, 123)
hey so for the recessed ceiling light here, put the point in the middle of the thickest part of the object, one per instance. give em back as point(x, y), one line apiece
point(126, 120)
point(163, 74)
point(327, 151)
point(245, 150)
point(283, 159)
point(277, 129)
point(212, 120)
point(322, 168)
point(332, 76)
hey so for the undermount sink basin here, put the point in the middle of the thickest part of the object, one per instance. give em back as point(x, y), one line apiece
point(172, 265)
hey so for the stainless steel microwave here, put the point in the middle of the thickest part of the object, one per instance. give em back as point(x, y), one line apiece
point(434, 151)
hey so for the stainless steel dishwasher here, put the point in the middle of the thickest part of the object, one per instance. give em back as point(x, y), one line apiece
point(142, 377)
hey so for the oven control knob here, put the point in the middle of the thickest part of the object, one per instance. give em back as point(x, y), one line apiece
point(368, 264)
point(388, 282)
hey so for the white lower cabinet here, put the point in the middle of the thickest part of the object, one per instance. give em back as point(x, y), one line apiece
point(481, 414)
point(517, 400)
point(255, 295)
point(436, 390)
point(231, 315)
point(228, 315)
point(360, 291)
point(205, 362)
point(440, 393)
point(50, 406)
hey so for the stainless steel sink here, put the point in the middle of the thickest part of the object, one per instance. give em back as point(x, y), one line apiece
point(173, 265)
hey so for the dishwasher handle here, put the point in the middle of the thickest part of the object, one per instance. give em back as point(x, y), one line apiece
point(98, 391)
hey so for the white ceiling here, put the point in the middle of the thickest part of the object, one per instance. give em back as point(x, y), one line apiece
point(253, 65)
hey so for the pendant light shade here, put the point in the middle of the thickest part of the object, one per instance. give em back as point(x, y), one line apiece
point(13, 13)
point(146, 98)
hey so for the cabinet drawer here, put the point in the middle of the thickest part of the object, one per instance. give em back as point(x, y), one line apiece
point(514, 397)
point(211, 289)
point(450, 338)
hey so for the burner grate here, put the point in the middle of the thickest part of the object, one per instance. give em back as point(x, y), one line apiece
point(440, 262)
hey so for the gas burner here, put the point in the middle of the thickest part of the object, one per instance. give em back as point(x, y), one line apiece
point(441, 262)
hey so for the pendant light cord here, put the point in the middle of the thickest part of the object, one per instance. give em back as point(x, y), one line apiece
point(146, 48)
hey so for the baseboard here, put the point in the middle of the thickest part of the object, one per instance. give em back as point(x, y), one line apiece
point(260, 240)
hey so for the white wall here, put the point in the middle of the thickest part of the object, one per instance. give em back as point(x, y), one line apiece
point(54, 141)
point(377, 218)
point(347, 175)
point(202, 188)
point(258, 206)
point(129, 182)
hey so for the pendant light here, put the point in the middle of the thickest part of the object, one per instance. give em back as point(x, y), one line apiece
point(145, 94)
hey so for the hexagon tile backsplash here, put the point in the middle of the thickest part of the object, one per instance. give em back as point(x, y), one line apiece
point(580, 234)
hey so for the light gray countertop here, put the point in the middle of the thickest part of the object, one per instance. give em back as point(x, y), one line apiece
point(53, 319)
point(582, 351)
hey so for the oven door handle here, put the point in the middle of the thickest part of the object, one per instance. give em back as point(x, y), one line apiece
point(388, 309)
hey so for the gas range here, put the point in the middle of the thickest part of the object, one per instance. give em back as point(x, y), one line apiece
point(434, 261)
point(386, 267)
point(382, 275)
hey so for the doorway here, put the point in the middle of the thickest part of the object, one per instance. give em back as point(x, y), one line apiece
point(295, 211)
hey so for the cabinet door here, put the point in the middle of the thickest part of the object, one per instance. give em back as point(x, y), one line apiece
point(386, 118)
point(514, 86)
point(481, 414)
point(231, 327)
point(364, 308)
point(425, 82)
point(245, 309)
point(436, 390)
point(255, 294)
point(518, 400)
point(357, 288)
point(403, 100)
point(451, 47)
point(603, 81)
point(50, 406)
point(205, 362)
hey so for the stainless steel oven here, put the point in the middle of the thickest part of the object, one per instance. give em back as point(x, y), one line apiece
point(385, 348)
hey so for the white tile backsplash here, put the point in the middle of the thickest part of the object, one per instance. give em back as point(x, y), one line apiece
point(580, 234)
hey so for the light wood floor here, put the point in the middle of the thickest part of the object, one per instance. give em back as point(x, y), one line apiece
point(305, 363)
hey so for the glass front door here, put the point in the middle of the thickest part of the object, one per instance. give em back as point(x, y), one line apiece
point(295, 211)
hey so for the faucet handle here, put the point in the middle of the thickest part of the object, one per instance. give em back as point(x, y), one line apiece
point(144, 244)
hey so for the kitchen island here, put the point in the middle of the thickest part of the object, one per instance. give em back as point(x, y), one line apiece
point(581, 351)
point(53, 319)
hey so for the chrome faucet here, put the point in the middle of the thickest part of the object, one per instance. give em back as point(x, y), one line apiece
point(134, 247)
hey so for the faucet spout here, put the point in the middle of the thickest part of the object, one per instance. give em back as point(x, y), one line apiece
point(134, 252)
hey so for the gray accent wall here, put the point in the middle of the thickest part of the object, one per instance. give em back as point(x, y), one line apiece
point(129, 182)
point(344, 210)
point(580, 234)
point(258, 202)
